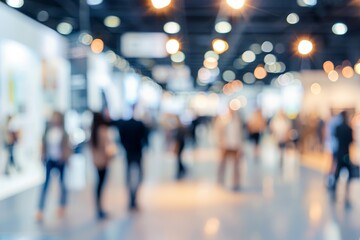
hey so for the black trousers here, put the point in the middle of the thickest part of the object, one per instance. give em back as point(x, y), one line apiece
point(180, 165)
point(99, 188)
point(340, 165)
point(134, 162)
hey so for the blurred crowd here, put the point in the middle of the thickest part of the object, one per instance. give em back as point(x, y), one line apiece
point(334, 136)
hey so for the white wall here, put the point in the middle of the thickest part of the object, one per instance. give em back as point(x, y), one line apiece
point(344, 93)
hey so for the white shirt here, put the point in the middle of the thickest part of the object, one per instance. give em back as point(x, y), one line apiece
point(53, 142)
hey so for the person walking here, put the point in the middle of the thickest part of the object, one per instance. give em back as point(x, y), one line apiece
point(11, 139)
point(133, 134)
point(56, 151)
point(102, 151)
point(230, 139)
point(344, 136)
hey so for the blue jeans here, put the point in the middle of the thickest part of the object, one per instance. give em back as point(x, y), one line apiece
point(60, 166)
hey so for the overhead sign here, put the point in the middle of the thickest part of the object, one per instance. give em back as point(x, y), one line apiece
point(144, 45)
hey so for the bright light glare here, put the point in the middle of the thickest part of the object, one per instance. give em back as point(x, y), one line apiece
point(292, 18)
point(94, 2)
point(220, 46)
point(172, 27)
point(15, 3)
point(112, 21)
point(223, 27)
point(159, 4)
point(235, 104)
point(305, 47)
point(236, 4)
point(64, 28)
point(339, 28)
point(248, 56)
point(172, 46)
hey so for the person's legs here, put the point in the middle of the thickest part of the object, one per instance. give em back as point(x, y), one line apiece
point(99, 190)
point(134, 159)
point(339, 166)
point(180, 166)
point(236, 180)
point(49, 166)
point(11, 160)
point(221, 173)
point(63, 191)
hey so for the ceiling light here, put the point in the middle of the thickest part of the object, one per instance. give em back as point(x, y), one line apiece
point(248, 56)
point(223, 27)
point(256, 48)
point(267, 46)
point(172, 46)
point(270, 59)
point(260, 72)
point(357, 68)
point(172, 27)
point(339, 28)
point(159, 4)
point(333, 76)
point(249, 78)
point(178, 57)
point(315, 89)
point(236, 4)
point(292, 18)
point(211, 54)
point(112, 21)
point(235, 104)
point(220, 46)
point(64, 28)
point(85, 38)
point(15, 3)
point(97, 46)
point(306, 3)
point(348, 72)
point(42, 16)
point(328, 66)
point(305, 47)
point(229, 76)
point(94, 2)
point(210, 63)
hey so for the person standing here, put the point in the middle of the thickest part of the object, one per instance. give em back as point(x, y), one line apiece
point(256, 126)
point(230, 132)
point(102, 152)
point(56, 151)
point(344, 136)
point(11, 138)
point(180, 135)
point(280, 127)
point(133, 134)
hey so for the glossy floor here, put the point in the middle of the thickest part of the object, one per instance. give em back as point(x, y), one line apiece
point(273, 204)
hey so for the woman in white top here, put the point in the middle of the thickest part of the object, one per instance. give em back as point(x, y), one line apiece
point(230, 139)
point(280, 127)
point(56, 151)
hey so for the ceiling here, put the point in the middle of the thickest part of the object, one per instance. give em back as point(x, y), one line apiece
point(258, 21)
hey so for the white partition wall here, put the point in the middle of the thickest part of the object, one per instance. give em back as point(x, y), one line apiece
point(34, 80)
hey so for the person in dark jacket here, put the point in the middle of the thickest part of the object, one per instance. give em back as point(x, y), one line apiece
point(344, 136)
point(180, 135)
point(133, 134)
